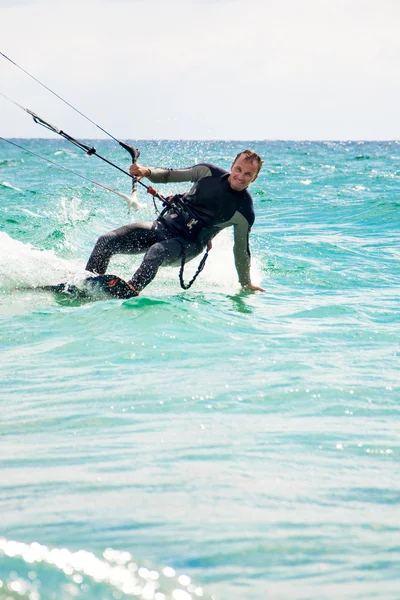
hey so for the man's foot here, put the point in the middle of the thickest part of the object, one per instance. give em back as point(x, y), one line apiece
point(112, 285)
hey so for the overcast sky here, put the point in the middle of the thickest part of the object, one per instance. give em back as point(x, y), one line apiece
point(204, 69)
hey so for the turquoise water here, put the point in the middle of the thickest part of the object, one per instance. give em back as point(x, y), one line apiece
point(212, 443)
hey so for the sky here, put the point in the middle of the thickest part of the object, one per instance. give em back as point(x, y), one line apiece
point(204, 69)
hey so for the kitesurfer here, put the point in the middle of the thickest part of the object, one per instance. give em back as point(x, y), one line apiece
point(217, 199)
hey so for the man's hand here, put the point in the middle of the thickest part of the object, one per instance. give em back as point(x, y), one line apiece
point(253, 288)
point(138, 171)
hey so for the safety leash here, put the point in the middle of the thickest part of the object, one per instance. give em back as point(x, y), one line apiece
point(184, 285)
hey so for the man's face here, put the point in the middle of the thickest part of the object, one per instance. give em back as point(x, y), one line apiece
point(243, 172)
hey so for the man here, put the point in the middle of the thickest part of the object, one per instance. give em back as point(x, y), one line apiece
point(217, 200)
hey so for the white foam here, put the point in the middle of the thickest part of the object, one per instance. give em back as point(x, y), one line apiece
point(25, 265)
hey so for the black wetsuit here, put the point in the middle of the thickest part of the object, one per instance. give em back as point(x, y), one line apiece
point(208, 207)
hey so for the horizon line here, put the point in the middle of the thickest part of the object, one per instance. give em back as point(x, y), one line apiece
point(268, 140)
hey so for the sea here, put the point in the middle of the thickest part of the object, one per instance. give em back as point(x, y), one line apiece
point(212, 443)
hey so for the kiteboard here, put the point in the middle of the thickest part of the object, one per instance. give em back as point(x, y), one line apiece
point(96, 287)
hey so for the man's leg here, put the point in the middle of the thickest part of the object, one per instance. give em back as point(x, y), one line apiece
point(165, 252)
point(129, 239)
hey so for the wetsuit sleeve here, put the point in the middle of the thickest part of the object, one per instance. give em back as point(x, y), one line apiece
point(192, 174)
point(241, 250)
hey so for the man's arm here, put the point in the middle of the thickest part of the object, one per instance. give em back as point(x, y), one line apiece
point(157, 175)
point(241, 251)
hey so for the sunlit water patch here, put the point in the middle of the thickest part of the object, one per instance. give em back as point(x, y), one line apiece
point(34, 572)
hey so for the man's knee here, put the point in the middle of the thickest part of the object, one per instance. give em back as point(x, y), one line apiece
point(156, 253)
